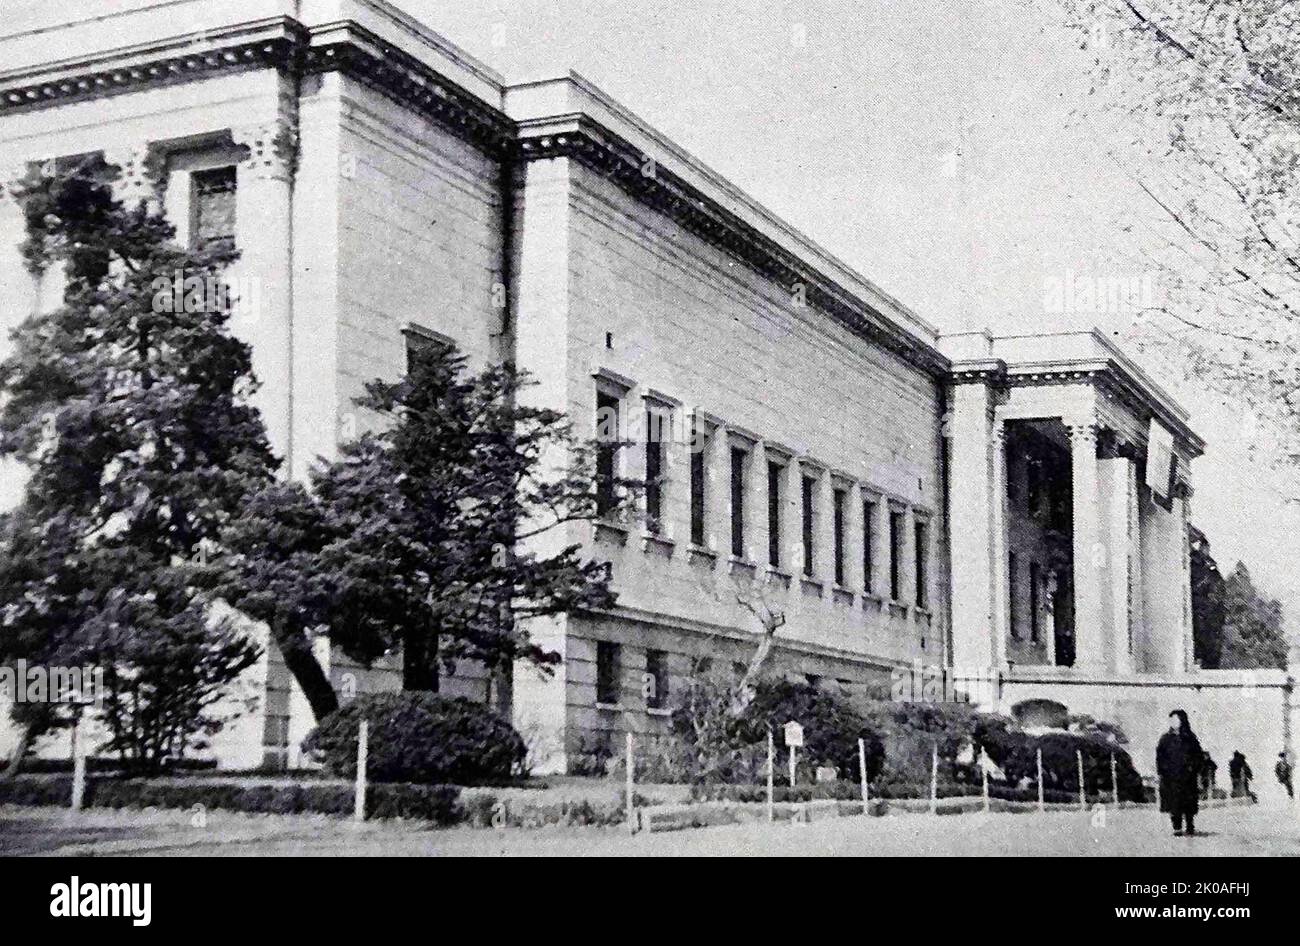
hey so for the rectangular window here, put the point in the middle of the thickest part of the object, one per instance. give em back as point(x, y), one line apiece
point(607, 444)
point(607, 670)
point(896, 556)
point(698, 446)
point(774, 473)
point(738, 463)
point(1013, 604)
point(1034, 579)
point(212, 223)
point(922, 532)
point(809, 492)
point(654, 470)
point(656, 679)
point(868, 546)
point(837, 499)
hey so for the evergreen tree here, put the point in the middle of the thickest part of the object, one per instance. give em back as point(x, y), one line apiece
point(129, 413)
point(1253, 635)
point(422, 536)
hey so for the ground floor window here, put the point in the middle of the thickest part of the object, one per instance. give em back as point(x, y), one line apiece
point(607, 670)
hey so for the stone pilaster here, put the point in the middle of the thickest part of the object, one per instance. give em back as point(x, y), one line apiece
point(264, 232)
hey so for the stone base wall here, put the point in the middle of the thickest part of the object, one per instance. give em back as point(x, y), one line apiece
point(1230, 710)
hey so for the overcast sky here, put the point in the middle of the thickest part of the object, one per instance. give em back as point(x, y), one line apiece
point(944, 148)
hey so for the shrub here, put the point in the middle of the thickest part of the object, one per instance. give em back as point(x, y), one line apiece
point(831, 726)
point(420, 738)
point(435, 803)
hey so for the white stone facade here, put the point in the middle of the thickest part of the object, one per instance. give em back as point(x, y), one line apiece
point(387, 183)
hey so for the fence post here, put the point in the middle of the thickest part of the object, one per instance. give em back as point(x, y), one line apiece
point(78, 767)
point(1041, 806)
point(1083, 796)
point(1114, 782)
point(984, 769)
point(862, 769)
point(934, 780)
point(771, 776)
point(792, 765)
point(363, 753)
point(631, 785)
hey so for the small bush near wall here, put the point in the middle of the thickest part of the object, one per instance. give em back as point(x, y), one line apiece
point(420, 738)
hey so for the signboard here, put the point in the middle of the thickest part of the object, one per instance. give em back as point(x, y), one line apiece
point(1160, 459)
point(793, 735)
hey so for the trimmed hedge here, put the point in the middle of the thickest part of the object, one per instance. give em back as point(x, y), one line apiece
point(420, 738)
point(436, 803)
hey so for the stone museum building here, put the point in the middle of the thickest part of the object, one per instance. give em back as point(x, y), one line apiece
point(1011, 509)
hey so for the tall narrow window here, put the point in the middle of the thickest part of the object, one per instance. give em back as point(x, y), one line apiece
point(607, 443)
point(212, 222)
point(656, 679)
point(654, 470)
point(868, 546)
point(1034, 579)
point(607, 671)
point(896, 556)
point(1013, 594)
point(738, 462)
point(838, 498)
point(698, 447)
point(774, 474)
point(922, 533)
point(809, 492)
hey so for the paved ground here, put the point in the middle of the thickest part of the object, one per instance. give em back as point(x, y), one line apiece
point(1239, 831)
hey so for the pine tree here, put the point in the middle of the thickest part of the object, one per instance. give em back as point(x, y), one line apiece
point(420, 536)
point(130, 415)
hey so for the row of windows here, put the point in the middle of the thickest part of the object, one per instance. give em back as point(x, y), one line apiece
point(654, 683)
point(658, 419)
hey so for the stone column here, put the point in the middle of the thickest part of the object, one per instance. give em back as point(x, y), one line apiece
point(1089, 553)
point(792, 520)
point(264, 237)
point(973, 495)
point(1001, 595)
point(1120, 475)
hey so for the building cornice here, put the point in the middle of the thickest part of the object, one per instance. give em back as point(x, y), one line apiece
point(274, 42)
point(351, 49)
point(615, 159)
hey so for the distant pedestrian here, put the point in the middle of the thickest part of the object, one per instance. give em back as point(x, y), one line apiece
point(1179, 758)
point(1209, 771)
point(1239, 770)
point(1283, 772)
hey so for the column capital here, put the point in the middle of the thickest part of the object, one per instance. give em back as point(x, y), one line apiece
point(142, 174)
point(272, 148)
point(1082, 432)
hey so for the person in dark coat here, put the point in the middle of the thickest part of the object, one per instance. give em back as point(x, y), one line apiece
point(1283, 772)
point(1209, 769)
point(1241, 774)
point(1179, 758)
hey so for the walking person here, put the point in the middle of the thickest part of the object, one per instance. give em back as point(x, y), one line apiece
point(1209, 769)
point(1241, 774)
point(1179, 758)
point(1283, 772)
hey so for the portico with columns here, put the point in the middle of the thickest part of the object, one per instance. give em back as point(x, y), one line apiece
point(1051, 432)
